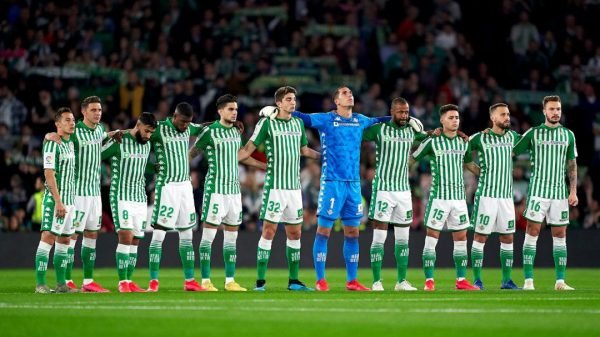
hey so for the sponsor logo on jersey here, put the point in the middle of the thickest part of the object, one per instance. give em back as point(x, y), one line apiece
point(397, 139)
point(286, 133)
point(552, 142)
point(133, 155)
point(226, 140)
point(336, 124)
point(496, 145)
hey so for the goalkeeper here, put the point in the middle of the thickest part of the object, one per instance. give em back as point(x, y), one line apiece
point(340, 132)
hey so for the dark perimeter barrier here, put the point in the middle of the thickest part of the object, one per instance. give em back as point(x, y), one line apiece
point(17, 250)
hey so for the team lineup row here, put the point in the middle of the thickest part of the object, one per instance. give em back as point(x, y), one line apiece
point(72, 205)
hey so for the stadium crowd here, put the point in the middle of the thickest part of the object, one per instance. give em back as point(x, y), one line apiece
point(150, 55)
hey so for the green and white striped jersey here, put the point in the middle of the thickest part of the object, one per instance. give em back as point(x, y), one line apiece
point(61, 159)
point(549, 150)
point(392, 151)
point(128, 162)
point(283, 140)
point(171, 149)
point(221, 145)
point(494, 152)
point(88, 153)
point(447, 156)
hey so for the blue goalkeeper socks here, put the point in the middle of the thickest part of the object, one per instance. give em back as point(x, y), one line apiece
point(351, 257)
point(320, 255)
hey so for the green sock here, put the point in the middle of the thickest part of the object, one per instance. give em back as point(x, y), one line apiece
point(559, 251)
point(132, 261)
point(41, 262)
point(428, 262)
point(401, 254)
point(376, 260)
point(477, 259)
point(88, 258)
point(205, 253)
point(230, 257)
point(186, 253)
point(71, 261)
point(122, 258)
point(155, 253)
point(460, 258)
point(262, 260)
point(506, 261)
point(60, 261)
point(529, 249)
point(293, 259)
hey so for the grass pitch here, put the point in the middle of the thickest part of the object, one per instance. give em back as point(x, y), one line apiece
point(278, 312)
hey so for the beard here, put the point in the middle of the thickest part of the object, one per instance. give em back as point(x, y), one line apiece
point(138, 137)
point(503, 126)
point(551, 122)
point(401, 122)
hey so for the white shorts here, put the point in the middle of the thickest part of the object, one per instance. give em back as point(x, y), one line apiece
point(57, 226)
point(222, 209)
point(391, 207)
point(88, 213)
point(174, 206)
point(493, 215)
point(282, 206)
point(452, 213)
point(555, 211)
point(131, 215)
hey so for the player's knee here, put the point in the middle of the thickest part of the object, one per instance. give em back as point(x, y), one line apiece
point(379, 225)
point(351, 231)
point(480, 238)
point(269, 230)
point(533, 228)
point(48, 237)
point(90, 234)
point(323, 231)
point(294, 234)
point(508, 239)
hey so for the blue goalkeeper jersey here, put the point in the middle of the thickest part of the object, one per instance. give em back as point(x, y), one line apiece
point(340, 142)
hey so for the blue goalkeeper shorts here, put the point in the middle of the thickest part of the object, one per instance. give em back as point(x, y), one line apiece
point(340, 199)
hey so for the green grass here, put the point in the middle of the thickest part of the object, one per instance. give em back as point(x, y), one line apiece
point(278, 312)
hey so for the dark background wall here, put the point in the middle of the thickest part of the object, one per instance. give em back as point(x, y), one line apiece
point(18, 250)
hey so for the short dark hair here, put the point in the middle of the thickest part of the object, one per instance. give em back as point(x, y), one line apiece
point(281, 92)
point(448, 107)
point(185, 109)
point(337, 91)
point(399, 100)
point(88, 100)
point(60, 112)
point(496, 106)
point(223, 100)
point(553, 98)
point(148, 119)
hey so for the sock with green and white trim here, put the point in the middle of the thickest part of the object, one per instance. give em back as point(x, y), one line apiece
point(379, 236)
point(401, 251)
point(559, 252)
point(263, 253)
point(477, 259)
point(529, 249)
point(42, 256)
point(205, 250)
